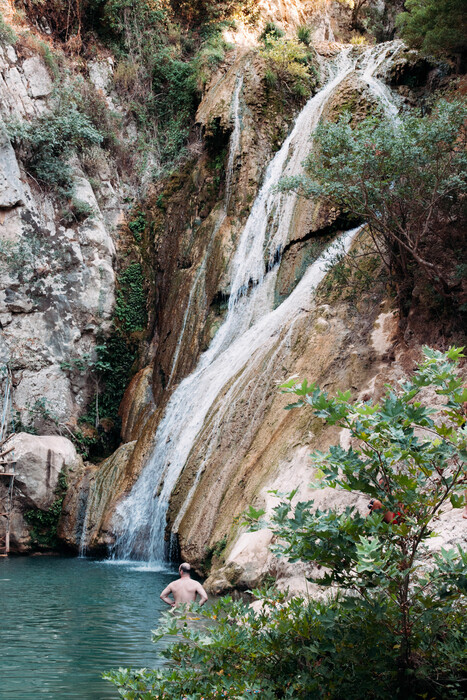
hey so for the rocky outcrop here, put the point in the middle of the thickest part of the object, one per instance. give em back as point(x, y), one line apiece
point(84, 522)
point(38, 462)
point(57, 274)
point(234, 454)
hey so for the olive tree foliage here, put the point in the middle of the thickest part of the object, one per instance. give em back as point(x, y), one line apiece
point(436, 27)
point(412, 458)
point(407, 179)
point(394, 623)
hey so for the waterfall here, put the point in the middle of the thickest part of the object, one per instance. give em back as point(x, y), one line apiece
point(234, 145)
point(82, 547)
point(250, 329)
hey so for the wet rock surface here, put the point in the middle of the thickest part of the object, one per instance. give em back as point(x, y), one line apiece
point(37, 462)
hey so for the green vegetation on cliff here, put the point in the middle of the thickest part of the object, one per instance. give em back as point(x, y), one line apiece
point(7, 35)
point(437, 27)
point(407, 179)
point(43, 523)
point(110, 367)
point(394, 624)
point(290, 65)
point(46, 143)
point(165, 52)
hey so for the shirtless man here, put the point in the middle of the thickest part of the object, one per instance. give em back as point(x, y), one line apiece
point(184, 590)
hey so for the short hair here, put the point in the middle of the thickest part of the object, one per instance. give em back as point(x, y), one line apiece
point(185, 568)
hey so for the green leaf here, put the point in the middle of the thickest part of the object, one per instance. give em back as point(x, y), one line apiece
point(457, 501)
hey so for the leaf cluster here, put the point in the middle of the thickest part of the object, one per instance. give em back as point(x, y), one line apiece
point(47, 143)
point(436, 27)
point(407, 178)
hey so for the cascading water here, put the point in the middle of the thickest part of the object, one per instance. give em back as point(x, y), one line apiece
point(250, 327)
point(234, 145)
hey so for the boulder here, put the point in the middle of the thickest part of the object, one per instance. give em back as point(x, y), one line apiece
point(11, 189)
point(37, 76)
point(39, 460)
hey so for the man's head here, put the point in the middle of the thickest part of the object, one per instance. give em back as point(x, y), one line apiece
point(184, 569)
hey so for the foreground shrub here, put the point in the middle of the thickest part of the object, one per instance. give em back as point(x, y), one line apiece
point(394, 623)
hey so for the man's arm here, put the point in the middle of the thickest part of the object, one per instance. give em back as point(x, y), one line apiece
point(165, 596)
point(202, 594)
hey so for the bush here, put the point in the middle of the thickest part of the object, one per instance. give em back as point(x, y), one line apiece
point(395, 628)
point(406, 178)
point(292, 65)
point(46, 143)
point(208, 58)
point(7, 35)
point(304, 34)
point(270, 32)
point(437, 27)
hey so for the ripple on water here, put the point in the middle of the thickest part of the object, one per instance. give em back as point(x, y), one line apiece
point(65, 621)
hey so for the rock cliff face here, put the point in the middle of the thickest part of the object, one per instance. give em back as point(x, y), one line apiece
point(57, 277)
point(58, 296)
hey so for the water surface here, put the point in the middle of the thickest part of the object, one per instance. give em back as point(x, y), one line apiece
point(64, 621)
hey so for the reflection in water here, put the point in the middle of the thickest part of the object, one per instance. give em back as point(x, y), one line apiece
point(65, 621)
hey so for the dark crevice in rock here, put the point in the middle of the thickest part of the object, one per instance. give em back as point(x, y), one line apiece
point(220, 302)
point(343, 222)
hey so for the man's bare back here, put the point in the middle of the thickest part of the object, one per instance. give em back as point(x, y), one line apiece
point(184, 590)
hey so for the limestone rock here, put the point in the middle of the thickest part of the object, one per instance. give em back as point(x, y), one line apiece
point(100, 73)
point(11, 189)
point(37, 76)
point(43, 392)
point(87, 506)
point(137, 404)
point(224, 580)
point(39, 461)
point(57, 278)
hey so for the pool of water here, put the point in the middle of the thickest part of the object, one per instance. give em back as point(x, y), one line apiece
point(64, 621)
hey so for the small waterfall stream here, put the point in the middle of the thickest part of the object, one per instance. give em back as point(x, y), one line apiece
point(234, 145)
point(251, 326)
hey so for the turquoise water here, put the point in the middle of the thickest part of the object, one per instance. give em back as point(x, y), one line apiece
point(64, 621)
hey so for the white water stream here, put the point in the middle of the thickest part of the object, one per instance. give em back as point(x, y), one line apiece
point(234, 145)
point(251, 327)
